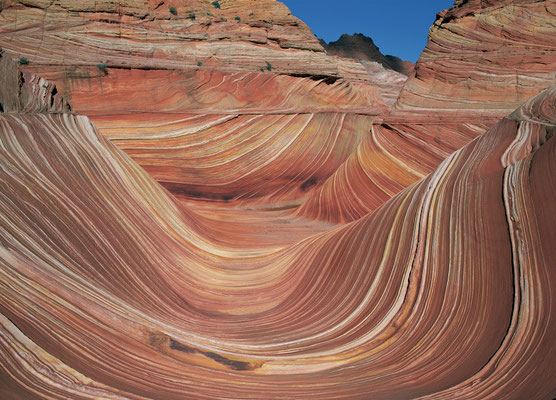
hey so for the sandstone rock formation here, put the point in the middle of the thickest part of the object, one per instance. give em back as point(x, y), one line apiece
point(485, 55)
point(482, 60)
point(361, 47)
point(111, 289)
point(205, 74)
point(216, 231)
point(26, 92)
point(387, 73)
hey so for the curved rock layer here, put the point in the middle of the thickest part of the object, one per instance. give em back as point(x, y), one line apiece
point(482, 60)
point(82, 41)
point(110, 289)
point(231, 132)
point(273, 157)
point(118, 63)
point(394, 156)
point(246, 73)
point(288, 253)
point(485, 55)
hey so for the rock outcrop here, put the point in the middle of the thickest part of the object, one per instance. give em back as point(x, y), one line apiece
point(387, 73)
point(388, 82)
point(485, 55)
point(206, 74)
point(216, 232)
point(361, 47)
point(25, 92)
point(482, 60)
point(111, 289)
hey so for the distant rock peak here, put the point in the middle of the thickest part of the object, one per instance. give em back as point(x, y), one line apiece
point(361, 47)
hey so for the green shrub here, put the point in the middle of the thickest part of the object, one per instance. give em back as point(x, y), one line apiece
point(199, 63)
point(223, 19)
point(237, 19)
point(23, 61)
point(192, 16)
point(173, 10)
point(216, 4)
point(101, 66)
point(268, 66)
point(251, 14)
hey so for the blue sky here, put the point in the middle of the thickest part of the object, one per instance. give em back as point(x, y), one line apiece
point(399, 28)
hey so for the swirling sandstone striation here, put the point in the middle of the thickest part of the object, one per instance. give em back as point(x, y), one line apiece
point(482, 60)
point(141, 59)
point(111, 289)
point(287, 253)
point(206, 74)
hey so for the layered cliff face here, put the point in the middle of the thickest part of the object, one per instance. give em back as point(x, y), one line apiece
point(143, 57)
point(481, 61)
point(26, 92)
point(485, 55)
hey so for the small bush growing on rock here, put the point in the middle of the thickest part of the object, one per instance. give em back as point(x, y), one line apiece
point(173, 10)
point(262, 69)
point(268, 66)
point(192, 16)
point(101, 66)
point(223, 19)
point(23, 61)
point(216, 4)
point(237, 19)
point(199, 63)
point(251, 14)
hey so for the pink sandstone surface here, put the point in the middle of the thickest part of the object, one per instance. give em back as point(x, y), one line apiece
point(482, 60)
point(204, 77)
point(215, 232)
